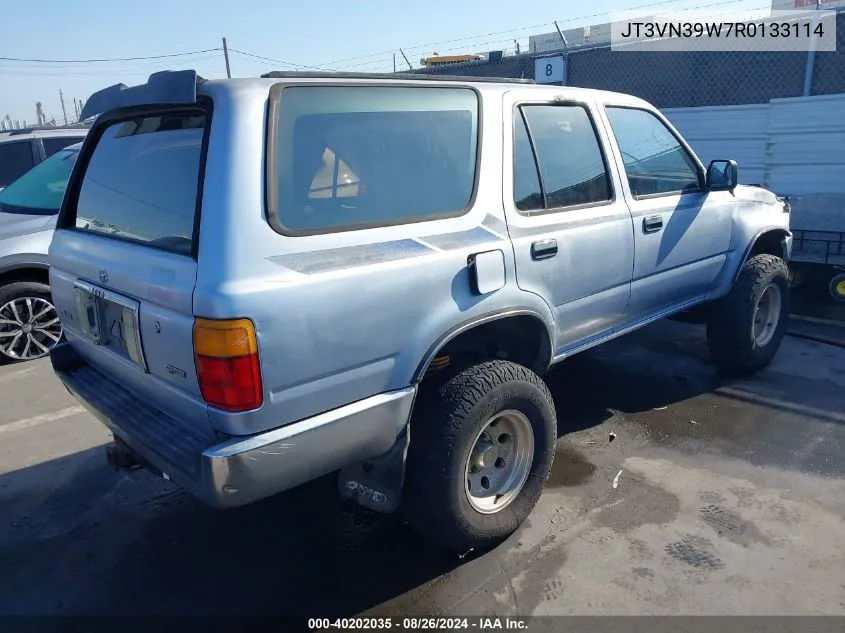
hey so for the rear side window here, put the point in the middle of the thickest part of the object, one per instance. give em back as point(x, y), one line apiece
point(53, 145)
point(142, 180)
point(569, 155)
point(527, 192)
point(357, 157)
point(15, 160)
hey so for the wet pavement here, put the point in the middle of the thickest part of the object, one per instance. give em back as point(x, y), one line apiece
point(730, 499)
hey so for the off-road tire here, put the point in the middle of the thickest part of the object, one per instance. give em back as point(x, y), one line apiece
point(730, 325)
point(447, 418)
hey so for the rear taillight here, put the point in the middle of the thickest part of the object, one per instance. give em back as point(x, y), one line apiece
point(226, 355)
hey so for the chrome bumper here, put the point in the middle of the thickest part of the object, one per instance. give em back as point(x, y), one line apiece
point(240, 469)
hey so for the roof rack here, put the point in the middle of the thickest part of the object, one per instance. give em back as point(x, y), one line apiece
point(295, 74)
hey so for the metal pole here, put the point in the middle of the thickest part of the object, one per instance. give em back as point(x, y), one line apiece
point(62, 99)
point(406, 59)
point(811, 58)
point(226, 57)
point(565, 55)
point(394, 62)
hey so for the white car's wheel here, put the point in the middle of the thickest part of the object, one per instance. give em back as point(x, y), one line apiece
point(29, 323)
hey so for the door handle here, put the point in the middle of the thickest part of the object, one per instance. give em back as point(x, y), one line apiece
point(543, 249)
point(652, 223)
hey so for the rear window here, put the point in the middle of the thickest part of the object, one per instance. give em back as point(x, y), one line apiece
point(356, 157)
point(141, 182)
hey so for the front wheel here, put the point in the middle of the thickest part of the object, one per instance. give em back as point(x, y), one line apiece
point(745, 328)
point(482, 446)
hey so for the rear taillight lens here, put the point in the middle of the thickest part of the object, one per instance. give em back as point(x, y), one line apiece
point(226, 356)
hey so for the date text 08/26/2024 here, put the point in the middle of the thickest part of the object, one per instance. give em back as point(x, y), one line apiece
point(419, 624)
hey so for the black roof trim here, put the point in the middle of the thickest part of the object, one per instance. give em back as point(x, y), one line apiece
point(292, 74)
point(168, 87)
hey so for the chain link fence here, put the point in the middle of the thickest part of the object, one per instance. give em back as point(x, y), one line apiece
point(682, 79)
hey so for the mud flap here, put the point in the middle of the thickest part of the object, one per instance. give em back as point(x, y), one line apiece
point(377, 483)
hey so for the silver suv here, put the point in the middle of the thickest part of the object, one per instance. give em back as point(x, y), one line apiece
point(263, 281)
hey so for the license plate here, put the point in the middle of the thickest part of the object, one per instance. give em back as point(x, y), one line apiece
point(110, 320)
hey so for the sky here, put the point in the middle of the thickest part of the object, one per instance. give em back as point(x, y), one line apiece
point(325, 34)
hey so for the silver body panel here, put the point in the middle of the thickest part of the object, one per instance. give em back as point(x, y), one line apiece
point(347, 321)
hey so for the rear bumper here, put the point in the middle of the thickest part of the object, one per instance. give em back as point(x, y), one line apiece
point(232, 471)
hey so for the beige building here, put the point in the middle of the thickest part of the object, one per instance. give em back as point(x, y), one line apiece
point(788, 5)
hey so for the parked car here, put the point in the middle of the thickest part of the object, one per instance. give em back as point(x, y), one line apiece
point(242, 331)
point(21, 150)
point(29, 325)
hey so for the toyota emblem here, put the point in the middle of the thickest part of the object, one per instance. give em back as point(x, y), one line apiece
point(104, 276)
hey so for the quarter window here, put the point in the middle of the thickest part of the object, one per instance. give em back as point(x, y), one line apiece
point(655, 161)
point(357, 157)
point(571, 164)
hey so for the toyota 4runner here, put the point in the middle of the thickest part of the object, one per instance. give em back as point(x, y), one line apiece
point(264, 281)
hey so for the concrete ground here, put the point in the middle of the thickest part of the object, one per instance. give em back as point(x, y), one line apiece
point(730, 499)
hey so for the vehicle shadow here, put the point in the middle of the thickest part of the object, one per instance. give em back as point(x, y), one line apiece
point(651, 369)
point(106, 543)
point(679, 223)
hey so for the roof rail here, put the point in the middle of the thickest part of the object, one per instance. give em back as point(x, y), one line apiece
point(165, 87)
point(46, 128)
point(295, 74)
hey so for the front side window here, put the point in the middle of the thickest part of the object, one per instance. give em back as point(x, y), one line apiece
point(655, 161)
point(355, 157)
point(568, 153)
point(41, 189)
point(141, 182)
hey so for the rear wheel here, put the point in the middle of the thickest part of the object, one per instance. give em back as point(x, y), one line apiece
point(482, 445)
point(745, 328)
point(29, 323)
point(837, 287)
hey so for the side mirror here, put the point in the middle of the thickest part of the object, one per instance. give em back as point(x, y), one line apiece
point(722, 175)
